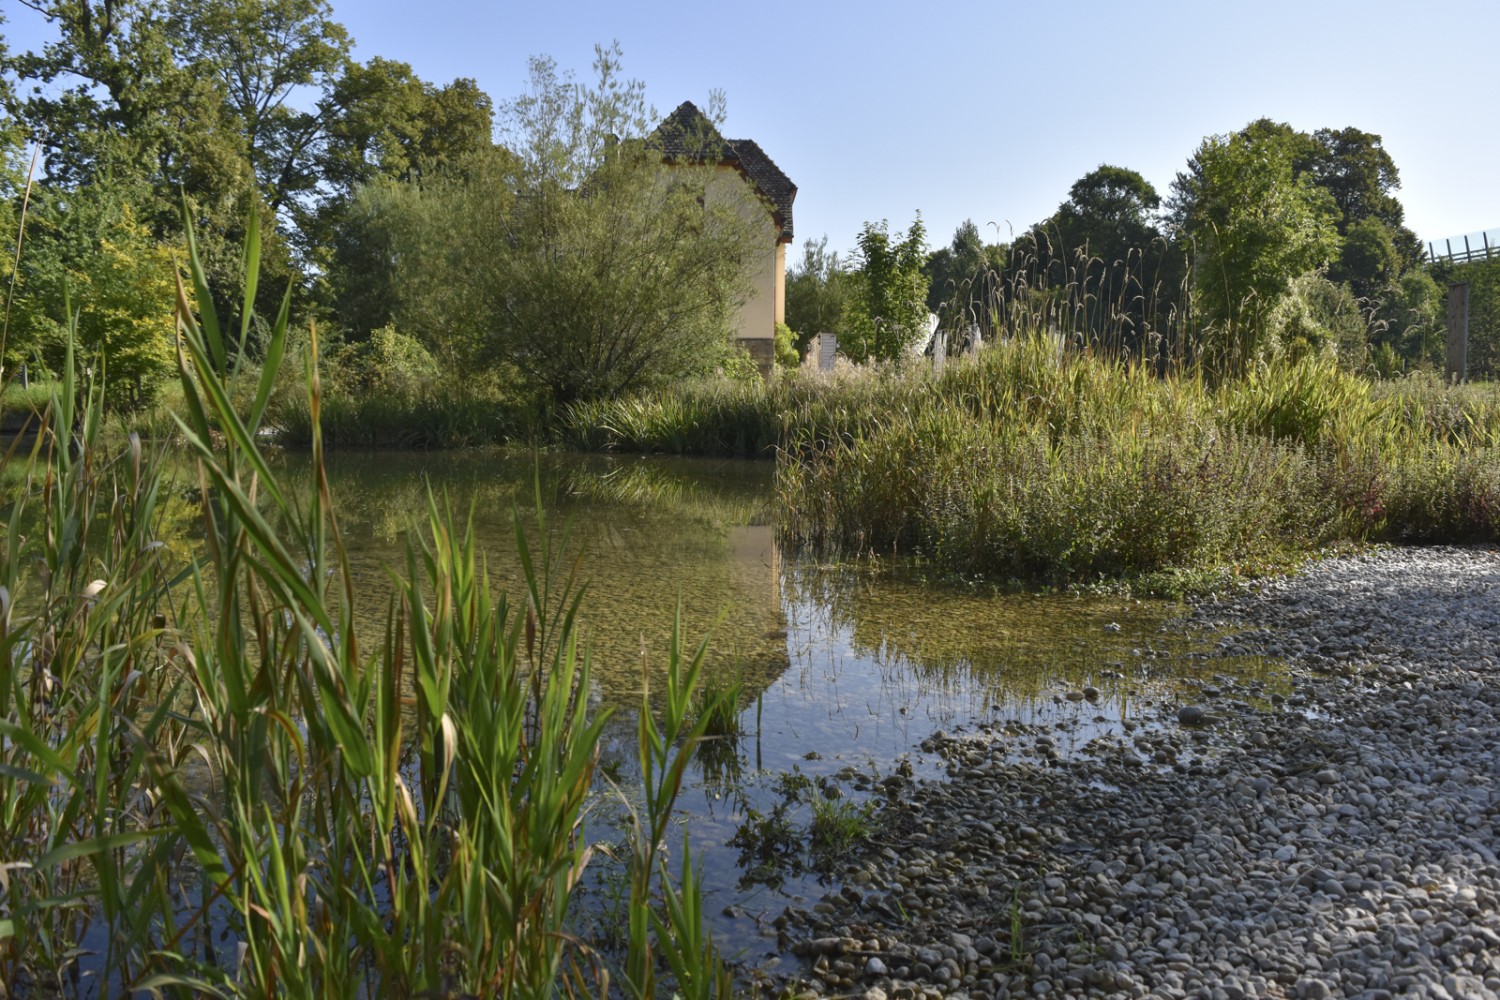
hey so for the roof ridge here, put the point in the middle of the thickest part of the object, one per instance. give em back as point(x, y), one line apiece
point(687, 133)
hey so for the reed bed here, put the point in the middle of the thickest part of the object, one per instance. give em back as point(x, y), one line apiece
point(430, 420)
point(1036, 463)
point(213, 783)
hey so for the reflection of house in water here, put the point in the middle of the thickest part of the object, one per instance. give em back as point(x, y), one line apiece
point(757, 564)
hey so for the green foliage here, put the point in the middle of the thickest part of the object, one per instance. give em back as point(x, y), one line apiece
point(719, 416)
point(1483, 279)
point(838, 827)
point(236, 105)
point(1255, 225)
point(954, 272)
point(819, 293)
point(967, 281)
point(260, 54)
point(738, 366)
point(581, 260)
point(389, 391)
point(97, 260)
point(394, 127)
point(1353, 167)
point(890, 301)
point(1316, 316)
point(1104, 238)
point(1035, 465)
point(786, 347)
point(1368, 259)
point(402, 810)
point(390, 362)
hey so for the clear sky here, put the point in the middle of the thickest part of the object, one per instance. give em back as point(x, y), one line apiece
point(990, 111)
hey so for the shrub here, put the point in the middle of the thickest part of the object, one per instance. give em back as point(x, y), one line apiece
point(786, 347)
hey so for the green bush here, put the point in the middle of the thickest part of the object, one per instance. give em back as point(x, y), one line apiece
point(786, 347)
point(389, 362)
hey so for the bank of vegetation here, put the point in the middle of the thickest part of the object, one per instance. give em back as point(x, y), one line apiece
point(214, 782)
point(1036, 464)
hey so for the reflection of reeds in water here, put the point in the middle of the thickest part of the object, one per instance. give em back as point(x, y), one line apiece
point(682, 493)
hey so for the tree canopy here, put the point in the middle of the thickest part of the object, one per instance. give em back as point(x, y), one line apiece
point(890, 300)
point(240, 106)
point(575, 258)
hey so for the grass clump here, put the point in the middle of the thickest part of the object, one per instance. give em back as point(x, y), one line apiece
point(1048, 466)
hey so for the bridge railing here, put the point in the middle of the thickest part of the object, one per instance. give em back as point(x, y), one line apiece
point(1466, 248)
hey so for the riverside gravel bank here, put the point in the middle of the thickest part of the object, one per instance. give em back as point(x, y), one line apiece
point(1335, 839)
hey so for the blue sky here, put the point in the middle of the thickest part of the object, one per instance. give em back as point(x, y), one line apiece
point(990, 111)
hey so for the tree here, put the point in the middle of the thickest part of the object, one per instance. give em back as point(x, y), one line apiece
point(130, 106)
point(955, 276)
point(1355, 170)
point(890, 301)
point(1368, 260)
point(262, 52)
point(1255, 225)
point(1408, 324)
point(581, 260)
point(1103, 243)
point(391, 123)
point(819, 288)
point(92, 257)
point(393, 127)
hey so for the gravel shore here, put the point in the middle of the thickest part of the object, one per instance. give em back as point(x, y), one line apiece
point(1334, 838)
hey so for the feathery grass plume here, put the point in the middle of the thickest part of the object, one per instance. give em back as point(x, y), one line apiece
point(1037, 463)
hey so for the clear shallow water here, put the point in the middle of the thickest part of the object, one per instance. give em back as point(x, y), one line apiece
point(842, 667)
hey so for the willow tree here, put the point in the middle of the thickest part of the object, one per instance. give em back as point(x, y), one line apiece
point(573, 255)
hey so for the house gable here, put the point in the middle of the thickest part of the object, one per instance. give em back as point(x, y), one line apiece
point(687, 136)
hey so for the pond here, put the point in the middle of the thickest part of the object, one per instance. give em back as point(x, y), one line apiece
point(845, 668)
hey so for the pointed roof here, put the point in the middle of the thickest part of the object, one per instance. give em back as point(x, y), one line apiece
point(688, 135)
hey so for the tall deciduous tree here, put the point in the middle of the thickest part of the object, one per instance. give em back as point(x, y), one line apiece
point(1353, 167)
point(890, 312)
point(393, 127)
point(1255, 225)
point(262, 53)
point(123, 98)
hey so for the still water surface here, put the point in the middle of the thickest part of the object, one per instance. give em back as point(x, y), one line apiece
point(842, 666)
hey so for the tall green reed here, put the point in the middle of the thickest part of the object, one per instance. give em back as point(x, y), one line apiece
point(214, 783)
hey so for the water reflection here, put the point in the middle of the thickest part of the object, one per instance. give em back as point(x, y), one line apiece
point(844, 669)
point(646, 537)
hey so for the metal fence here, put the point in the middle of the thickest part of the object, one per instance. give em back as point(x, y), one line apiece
point(1466, 248)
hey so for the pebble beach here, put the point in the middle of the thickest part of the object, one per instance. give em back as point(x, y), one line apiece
point(1336, 837)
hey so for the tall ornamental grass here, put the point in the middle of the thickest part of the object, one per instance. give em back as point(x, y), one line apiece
point(213, 783)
